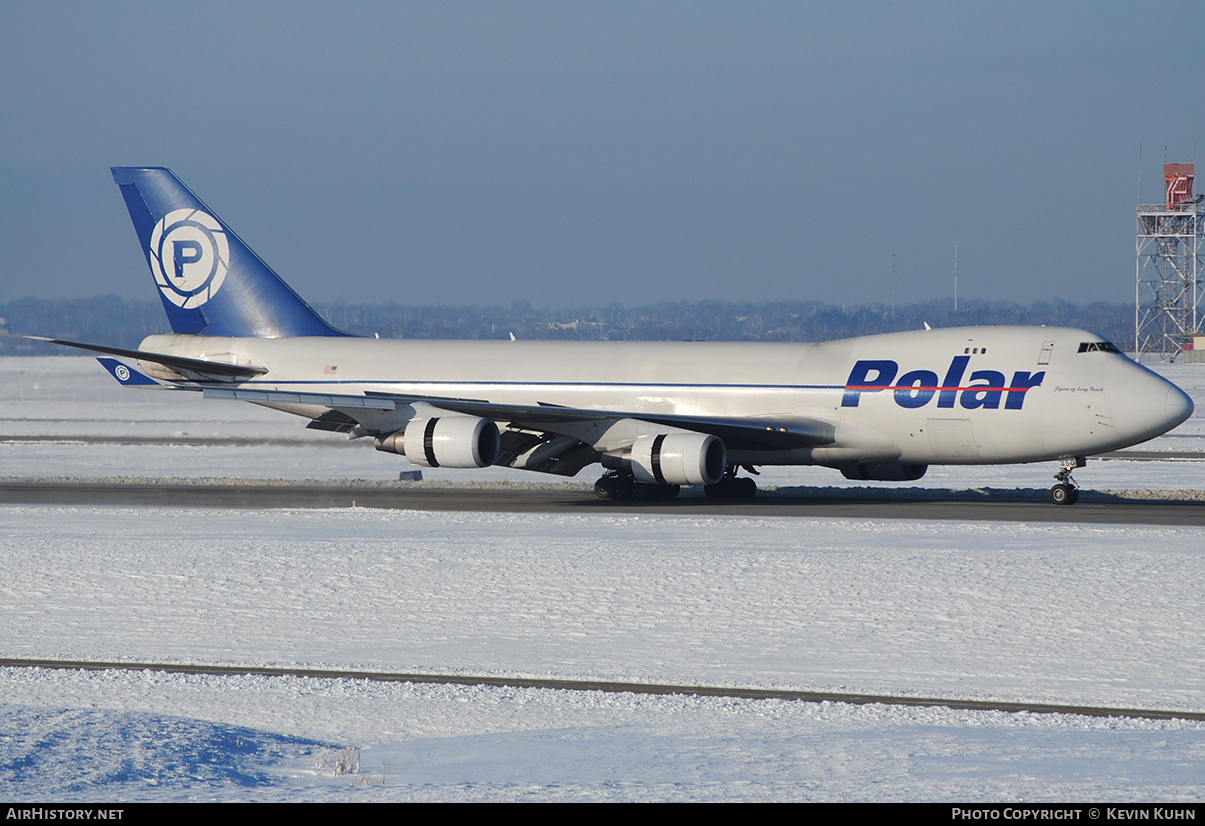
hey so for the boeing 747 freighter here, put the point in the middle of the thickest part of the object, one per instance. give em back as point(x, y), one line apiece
point(656, 415)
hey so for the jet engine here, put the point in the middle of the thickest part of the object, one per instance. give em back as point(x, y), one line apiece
point(673, 459)
point(446, 441)
point(883, 472)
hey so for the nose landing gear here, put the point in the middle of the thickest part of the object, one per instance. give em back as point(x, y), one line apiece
point(1066, 492)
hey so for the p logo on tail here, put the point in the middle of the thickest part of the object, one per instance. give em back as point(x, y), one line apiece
point(189, 256)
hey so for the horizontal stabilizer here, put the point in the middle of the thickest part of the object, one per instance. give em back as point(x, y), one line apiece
point(126, 376)
point(209, 368)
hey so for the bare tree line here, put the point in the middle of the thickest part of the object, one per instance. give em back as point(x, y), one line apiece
point(124, 322)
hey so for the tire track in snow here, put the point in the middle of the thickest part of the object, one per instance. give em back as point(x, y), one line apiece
point(611, 687)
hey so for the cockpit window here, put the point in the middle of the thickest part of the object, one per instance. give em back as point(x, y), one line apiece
point(1095, 346)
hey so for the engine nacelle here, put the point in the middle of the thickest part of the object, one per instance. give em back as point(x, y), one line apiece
point(678, 459)
point(883, 472)
point(446, 441)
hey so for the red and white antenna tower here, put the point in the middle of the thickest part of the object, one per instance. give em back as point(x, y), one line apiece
point(1168, 312)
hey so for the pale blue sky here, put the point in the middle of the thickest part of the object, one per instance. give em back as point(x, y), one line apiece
point(572, 153)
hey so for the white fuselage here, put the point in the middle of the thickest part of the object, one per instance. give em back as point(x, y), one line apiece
point(953, 396)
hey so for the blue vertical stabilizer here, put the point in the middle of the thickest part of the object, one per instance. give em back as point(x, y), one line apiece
point(211, 282)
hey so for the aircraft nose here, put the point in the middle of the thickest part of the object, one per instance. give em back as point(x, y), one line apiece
point(1142, 403)
point(1178, 406)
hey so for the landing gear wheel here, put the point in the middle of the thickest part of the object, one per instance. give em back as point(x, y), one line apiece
point(603, 488)
point(623, 487)
point(642, 492)
point(1062, 494)
point(730, 487)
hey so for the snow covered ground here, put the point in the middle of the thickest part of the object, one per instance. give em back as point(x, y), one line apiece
point(73, 736)
point(1015, 611)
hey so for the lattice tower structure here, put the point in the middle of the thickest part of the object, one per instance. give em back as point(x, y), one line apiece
point(1168, 308)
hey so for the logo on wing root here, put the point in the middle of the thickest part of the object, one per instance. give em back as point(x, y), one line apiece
point(189, 257)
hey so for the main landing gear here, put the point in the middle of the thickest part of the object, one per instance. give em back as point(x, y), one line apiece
point(622, 486)
point(1066, 492)
point(732, 487)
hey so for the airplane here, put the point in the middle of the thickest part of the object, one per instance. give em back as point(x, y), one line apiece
point(656, 416)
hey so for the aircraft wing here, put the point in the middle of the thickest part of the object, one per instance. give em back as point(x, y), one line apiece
point(740, 434)
point(737, 433)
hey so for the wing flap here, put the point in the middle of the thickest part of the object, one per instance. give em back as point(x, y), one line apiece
point(334, 401)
